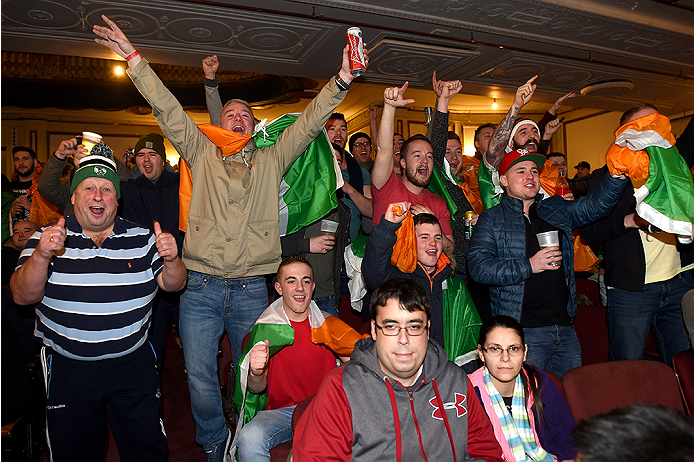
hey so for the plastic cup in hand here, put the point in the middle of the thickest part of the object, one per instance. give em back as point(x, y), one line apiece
point(90, 139)
point(549, 239)
point(328, 227)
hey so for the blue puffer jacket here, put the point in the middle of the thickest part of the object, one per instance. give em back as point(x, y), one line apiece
point(497, 249)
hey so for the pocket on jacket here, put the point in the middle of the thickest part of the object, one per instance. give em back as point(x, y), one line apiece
point(263, 242)
point(199, 242)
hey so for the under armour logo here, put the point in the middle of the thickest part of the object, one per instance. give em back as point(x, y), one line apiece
point(101, 171)
point(457, 405)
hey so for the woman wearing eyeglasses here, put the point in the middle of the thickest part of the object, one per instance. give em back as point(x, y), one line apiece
point(510, 392)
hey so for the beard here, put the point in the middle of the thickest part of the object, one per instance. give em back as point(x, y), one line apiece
point(411, 176)
point(530, 141)
point(29, 171)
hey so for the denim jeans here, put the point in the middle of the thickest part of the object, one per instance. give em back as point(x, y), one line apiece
point(553, 349)
point(208, 307)
point(327, 304)
point(631, 313)
point(264, 432)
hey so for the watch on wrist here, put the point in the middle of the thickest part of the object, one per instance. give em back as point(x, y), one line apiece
point(341, 84)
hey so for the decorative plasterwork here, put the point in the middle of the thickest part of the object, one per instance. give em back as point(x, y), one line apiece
point(559, 76)
point(175, 26)
point(395, 59)
point(538, 21)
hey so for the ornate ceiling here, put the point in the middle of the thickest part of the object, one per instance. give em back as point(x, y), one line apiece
point(493, 46)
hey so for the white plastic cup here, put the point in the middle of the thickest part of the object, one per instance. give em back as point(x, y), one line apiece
point(90, 139)
point(328, 227)
point(549, 239)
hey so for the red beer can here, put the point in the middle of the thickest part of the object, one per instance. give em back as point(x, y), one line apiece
point(357, 64)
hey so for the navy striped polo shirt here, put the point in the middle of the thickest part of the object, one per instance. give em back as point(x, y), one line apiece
point(98, 300)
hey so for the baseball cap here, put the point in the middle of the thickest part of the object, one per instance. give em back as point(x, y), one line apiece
point(583, 163)
point(520, 155)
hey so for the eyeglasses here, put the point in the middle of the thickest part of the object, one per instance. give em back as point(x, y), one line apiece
point(365, 144)
point(513, 350)
point(393, 330)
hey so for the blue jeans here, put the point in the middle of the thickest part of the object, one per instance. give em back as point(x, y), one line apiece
point(327, 304)
point(264, 432)
point(208, 307)
point(553, 349)
point(631, 313)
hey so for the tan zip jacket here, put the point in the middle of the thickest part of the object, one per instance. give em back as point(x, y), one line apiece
point(233, 229)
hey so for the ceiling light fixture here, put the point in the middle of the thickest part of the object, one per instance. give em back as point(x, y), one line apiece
point(495, 106)
point(118, 70)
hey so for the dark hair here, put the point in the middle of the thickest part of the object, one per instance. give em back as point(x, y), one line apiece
point(533, 382)
point(17, 149)
point(454, 136)
point(482, 127)
point(555, 154)
point(411, 139)
point(408, 293)
point(629, 113)
point(425, 219)
point(353, 139)
point(337, 116)
point(399, 134)
point(638, 433)
point(293, 259)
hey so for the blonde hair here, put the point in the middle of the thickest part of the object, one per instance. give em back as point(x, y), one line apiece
point(235, 101)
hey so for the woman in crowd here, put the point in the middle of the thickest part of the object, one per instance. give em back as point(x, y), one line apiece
point(531, 419)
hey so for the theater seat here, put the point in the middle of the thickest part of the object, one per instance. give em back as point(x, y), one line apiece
point(598, 388)
point(683, 364)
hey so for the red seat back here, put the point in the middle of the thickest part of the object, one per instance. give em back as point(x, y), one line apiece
point(683, 364)
point(598, 388)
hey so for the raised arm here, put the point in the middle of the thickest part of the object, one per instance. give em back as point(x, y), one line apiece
point(499, 141)
point(214, 103)
point(383, 165)
point(445, 91)
point(177, 126)
point(49, 185)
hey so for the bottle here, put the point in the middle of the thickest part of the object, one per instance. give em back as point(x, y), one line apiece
point(561, 187)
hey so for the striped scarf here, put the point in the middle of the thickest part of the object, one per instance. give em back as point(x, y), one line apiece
point(516, 428)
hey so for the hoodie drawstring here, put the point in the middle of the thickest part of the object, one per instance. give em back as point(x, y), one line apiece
point(445, 418)
point(396, 421)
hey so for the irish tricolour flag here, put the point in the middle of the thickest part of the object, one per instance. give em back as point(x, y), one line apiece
point(274, 325)
point(644, 149)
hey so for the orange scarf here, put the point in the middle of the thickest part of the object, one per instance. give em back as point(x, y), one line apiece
point(404, 255)
point(229, 142)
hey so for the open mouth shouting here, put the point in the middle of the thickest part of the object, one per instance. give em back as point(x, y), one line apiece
point(96, 210)
point(239, 129)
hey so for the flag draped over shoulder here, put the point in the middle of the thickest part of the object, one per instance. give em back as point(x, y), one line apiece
point(274, 325)
point(644, 149)
point(437, 186)
point(354, 255)
point(307, 191)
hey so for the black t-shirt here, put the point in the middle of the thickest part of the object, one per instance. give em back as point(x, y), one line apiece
point(546, 294)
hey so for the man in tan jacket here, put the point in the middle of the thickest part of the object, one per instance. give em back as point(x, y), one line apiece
point(232, 237)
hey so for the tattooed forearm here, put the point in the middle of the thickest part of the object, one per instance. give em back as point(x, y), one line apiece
point(497, 145)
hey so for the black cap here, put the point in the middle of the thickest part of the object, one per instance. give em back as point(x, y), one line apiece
point(583, 163)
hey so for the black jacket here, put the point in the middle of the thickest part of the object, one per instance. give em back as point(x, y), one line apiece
point(377, 269)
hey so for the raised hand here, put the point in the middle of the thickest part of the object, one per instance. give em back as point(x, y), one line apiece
point(345, 71)
point(445, 89)
point(19, 205)
point(551, 128)
point(210, 66)
point(113, 38)
point(166, 244)
point(259, 356)
point(397, 211)
point(557, 104)
point(52, 240)
point(525, 92)
point(393, 96)
point(69, 148)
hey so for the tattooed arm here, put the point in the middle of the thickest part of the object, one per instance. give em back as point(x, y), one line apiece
point(499, 141)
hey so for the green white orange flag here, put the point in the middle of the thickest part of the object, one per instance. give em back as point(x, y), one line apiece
point(644, 149)
point(274, 325)
point(307, 191)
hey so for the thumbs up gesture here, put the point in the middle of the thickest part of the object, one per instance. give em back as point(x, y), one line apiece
point(52, 239)
point(166, 244)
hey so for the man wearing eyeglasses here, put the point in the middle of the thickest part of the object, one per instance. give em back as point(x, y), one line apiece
point(398, 398)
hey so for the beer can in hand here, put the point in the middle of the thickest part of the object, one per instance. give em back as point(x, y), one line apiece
point(468, 225)
point(357, 64)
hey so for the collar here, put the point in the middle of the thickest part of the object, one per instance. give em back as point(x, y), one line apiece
point(73, 225)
